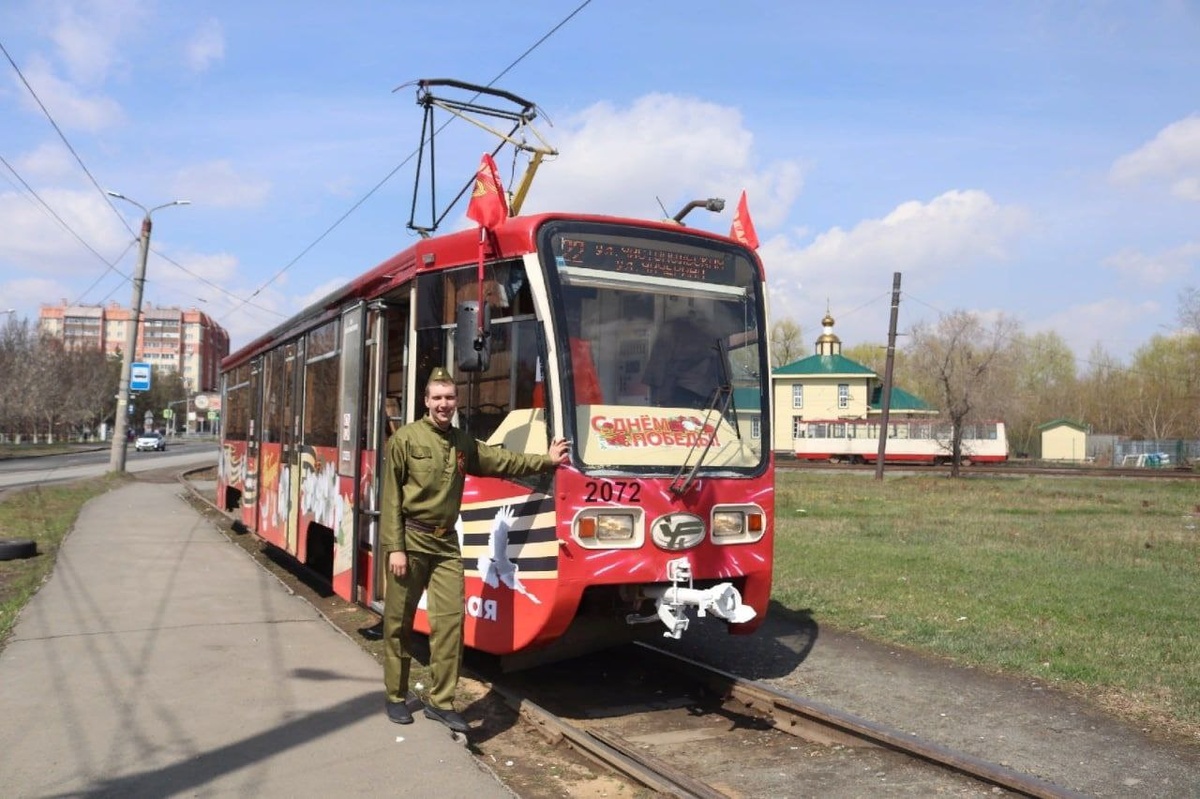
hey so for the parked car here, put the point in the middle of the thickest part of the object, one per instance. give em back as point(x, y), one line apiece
point(150, 441)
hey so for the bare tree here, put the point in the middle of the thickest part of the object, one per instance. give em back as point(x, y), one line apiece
point(1103, 392)
point(970, 365)
point(1189, 309)
point(18, 340)
point(786, 344)
point(1166, 373)
point(1046, 388)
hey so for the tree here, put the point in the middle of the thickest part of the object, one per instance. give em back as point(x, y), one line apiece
point(970, 366)
point(1103, 392)
point(1046, 388)
point(166, 386)
point(786, 344)
point(1167, 375)
point(1189, 309)
point(16, 353)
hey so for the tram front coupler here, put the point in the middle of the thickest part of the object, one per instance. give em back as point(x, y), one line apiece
point(673, 601)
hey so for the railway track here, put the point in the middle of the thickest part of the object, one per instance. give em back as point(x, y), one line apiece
point(682, 728)
point(784, 463)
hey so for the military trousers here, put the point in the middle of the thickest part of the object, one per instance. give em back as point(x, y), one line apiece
point(441, 578)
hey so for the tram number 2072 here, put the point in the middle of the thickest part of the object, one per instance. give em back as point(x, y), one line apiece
point(618, 490)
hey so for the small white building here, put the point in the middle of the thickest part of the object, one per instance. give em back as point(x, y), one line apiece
point(1064, 440)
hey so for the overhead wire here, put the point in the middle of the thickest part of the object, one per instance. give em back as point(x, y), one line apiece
point(107, 200)
point(401, 165)
point(242, 302)
point(111, 265)
point(46, 206)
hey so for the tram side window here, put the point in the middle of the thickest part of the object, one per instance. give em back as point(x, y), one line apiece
point(485, 398)
point(237, 404)
point(273, 396)
point(321, 387)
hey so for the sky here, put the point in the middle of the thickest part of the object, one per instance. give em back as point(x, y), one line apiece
point(1039, 160)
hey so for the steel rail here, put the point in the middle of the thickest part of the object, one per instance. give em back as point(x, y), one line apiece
point(819, 723)
point(608, 750)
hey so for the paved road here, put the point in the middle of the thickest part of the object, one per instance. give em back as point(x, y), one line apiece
point(160, 661)
point(18, 472)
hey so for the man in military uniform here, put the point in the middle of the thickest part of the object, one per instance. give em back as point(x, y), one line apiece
point(423, 476)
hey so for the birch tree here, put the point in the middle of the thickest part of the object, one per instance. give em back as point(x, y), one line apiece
point(969, 365)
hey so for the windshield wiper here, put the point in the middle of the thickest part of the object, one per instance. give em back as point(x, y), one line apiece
point(721, 403)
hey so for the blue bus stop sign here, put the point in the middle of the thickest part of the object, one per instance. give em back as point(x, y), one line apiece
point(139, 377)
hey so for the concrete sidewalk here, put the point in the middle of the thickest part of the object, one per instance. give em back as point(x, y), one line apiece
point(159, 660)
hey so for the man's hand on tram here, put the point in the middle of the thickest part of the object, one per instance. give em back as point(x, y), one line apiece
point(559, 451)
point(398, 563)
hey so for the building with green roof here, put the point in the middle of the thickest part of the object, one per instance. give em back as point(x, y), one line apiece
point(829, 387)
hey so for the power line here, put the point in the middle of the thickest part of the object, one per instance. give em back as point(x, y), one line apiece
point(401, 165)
point(63, 137)
point(111, 266)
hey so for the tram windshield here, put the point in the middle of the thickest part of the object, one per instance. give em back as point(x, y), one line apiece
point(660, 347)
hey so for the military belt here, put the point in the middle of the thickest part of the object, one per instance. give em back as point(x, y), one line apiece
point(425, 527)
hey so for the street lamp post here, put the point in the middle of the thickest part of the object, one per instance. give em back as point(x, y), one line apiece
point(116, 459)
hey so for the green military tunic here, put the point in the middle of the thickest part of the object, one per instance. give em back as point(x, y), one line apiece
point(423, 477)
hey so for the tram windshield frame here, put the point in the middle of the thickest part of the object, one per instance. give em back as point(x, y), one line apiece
point(660, 347)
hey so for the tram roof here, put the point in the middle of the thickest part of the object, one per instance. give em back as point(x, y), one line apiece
point(516, 235)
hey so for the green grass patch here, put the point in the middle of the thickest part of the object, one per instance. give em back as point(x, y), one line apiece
point(8, 451)
point(43, 514)
point(1091, 582)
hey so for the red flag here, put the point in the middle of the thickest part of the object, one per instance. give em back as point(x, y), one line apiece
point(488, 206)
point(743, 227)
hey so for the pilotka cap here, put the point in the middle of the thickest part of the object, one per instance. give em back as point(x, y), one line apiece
point(440, 375)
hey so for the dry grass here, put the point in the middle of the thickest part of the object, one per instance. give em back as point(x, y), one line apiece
point(1086, 582)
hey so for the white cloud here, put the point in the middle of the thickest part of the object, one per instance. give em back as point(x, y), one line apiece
point(677, 149)
point(1100, 323)
point(87, 35)
point(1158, 268)
point(35, 241)
point(218, 184)
point(1172, 156)
point(206, 47)
point(48, 160)
point(951, 236)
point(67, 103)
point(32, 292)
point(320, 291)
point(214, 267)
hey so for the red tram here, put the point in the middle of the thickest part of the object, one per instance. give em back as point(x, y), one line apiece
point(641, 342)
point(668, 503)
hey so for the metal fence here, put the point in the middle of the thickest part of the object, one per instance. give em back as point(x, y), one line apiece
point(1153, 453)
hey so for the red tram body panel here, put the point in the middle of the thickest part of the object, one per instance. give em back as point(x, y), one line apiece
point(644, 343)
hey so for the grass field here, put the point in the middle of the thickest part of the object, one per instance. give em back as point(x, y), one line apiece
point(44, 515)
point(1091, 583)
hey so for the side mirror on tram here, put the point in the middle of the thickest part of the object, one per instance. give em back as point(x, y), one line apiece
point(472, 336)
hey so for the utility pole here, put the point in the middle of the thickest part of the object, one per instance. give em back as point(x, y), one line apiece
point(885, 400)
point(116, 458)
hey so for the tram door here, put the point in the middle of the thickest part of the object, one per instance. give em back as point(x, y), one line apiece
point(253, 435)
point(385, 392)
point(290, 467)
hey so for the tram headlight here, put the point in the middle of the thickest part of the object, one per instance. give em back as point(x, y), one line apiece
point(607, 529)
point(728, 523)
point(738, 525)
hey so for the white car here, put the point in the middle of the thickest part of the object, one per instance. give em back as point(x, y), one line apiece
point(150, 441)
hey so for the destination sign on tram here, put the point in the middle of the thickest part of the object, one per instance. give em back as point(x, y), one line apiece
point(641, 259)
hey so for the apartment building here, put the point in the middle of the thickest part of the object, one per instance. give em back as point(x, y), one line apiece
point(169, 339)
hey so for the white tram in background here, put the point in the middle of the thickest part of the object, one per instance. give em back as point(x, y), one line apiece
point(908, 441)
